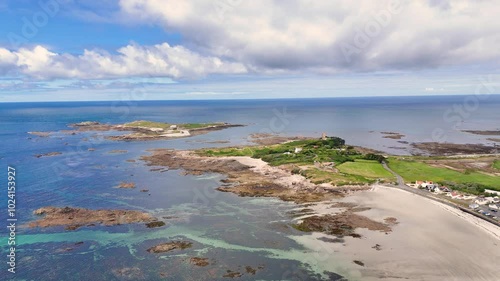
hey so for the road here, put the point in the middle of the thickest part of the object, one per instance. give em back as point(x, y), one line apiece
point(426, 194)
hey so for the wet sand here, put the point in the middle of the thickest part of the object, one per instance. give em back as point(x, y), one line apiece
point(430, 242)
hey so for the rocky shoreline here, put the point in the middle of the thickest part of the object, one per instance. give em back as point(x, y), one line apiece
point(440, 149)
point(242, 179)
point(249, 177)
point(483, 133)
point(74, 218)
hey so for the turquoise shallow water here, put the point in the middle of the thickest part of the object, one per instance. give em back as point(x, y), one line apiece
point(232, 232)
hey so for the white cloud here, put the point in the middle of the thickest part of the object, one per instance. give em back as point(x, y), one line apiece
point(160, 60)
point(7, 60)
point(309, 35)
point(278, 38)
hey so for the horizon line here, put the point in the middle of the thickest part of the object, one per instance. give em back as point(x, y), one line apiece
point(245, 99)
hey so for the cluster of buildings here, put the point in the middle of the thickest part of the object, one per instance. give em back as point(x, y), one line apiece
point(487, 200)
point(492, 202)
point(487, 205)
point(431, 186)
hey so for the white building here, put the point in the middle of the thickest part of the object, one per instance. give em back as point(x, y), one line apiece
point(473, 206)
point(492, 191)
point(483, 201)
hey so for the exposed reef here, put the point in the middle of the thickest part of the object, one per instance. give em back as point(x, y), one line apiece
point(48, 154)
point(392, 135)
point(74, 218)
point(170, 246)
point(483, 133)
point(436, 148)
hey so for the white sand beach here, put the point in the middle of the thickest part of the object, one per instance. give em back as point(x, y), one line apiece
point(430, 242)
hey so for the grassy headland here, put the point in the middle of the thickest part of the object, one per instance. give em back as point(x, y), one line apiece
point(330, 160)
point(327, 160)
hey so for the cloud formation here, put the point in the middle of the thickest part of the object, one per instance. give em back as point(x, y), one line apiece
point(130, 61)
point(313, 35)
point(269, 37)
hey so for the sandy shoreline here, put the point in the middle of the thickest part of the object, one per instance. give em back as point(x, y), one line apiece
point(430, 242)
point(294, 181)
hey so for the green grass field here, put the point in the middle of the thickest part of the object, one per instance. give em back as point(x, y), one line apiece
point(366, 168)
point(147, 124)
point(189, 126)
point(319, 176)
point(496, 164)
point(413, 170)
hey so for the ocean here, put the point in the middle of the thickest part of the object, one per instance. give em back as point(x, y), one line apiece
point(231, 231)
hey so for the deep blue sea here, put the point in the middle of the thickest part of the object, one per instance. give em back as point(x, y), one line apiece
point(232, 232)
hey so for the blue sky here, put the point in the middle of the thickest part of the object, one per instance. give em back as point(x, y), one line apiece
point(55, 50)
point(69, 32)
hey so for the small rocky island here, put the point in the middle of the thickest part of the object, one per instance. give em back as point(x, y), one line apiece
point(170, 246)
point(149, 130)
point(141, 130)
point(74, 218)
